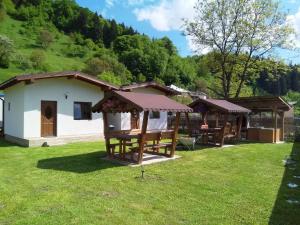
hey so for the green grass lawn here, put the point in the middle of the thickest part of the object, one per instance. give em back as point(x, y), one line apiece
point(71, 184)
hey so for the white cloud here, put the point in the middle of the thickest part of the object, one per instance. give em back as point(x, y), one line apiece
point(109, 3)
point(294, 21)
point(167, 14)
point(135, 2)
point(196, 49)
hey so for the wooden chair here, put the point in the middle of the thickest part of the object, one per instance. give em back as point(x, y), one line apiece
point(223, 134)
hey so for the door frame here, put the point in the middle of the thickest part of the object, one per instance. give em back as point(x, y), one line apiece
point(55, 118)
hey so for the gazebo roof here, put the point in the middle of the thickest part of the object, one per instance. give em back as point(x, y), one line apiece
point(221, 105)
point(262, 103)
point(151, 84)
point(120, 101)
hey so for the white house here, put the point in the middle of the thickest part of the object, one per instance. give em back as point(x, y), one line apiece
point(157, 120)
point(52, 108)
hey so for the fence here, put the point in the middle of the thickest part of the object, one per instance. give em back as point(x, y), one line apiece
point(291, 124)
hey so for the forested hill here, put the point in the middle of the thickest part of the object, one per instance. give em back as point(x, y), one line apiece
point(48, 35)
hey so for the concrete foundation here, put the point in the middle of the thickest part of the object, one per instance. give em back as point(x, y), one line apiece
point(50, 141)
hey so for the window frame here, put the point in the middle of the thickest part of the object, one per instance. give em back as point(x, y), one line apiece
point(86, 104)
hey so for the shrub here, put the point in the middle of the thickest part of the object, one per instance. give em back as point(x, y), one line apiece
point(37, 59)
point(75, 51)
point(6, 50)
point(110, 77)
point(22, 62)
point(95, 66)
point(44, 39)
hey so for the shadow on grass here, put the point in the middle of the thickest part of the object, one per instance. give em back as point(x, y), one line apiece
point(83, 163)
point(4, 143)
point(286, 209)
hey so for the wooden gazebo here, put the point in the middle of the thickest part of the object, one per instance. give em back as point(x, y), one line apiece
point(137, 141)
point(222, 110)
point(265, 131)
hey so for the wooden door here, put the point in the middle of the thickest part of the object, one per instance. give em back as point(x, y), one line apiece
point(48, 118)
point(135, 120)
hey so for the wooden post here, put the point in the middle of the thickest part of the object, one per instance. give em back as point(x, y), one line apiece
point(260, 118)
point(282, 126)
point(239, 127)
point(221, 135)
point(142, 137)
point(174, 139)
point(275, 123)
point(187, 118)
point(204, 118)
point(106, 136)
point(217, 119)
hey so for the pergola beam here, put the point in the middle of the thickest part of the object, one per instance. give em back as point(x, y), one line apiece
point(107, 139)
point(142, 138)
point(282, 115)
point(188, 123)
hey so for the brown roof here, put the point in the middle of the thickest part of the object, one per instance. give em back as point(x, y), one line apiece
point(218, 105)
point(262, 103)
point(69, 74)
point(151, 84)
point(120, 101)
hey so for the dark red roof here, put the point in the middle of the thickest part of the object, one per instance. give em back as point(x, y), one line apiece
point(151, 84)
point(140, 102)
point(70, 74)
point(262, 103)
point(220, 104)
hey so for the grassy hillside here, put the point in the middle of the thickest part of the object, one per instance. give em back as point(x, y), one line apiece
point(25, 43)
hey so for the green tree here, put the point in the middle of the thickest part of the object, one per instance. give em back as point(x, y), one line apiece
point(237, 27)
point(110, 77)
point(38, 59)
point(95, 66)
point(44, 39)
point(6, 50)
point(108, 65)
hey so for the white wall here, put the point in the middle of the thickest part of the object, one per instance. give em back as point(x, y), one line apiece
point(55, 90)
point(160, 123)
point(14, 118)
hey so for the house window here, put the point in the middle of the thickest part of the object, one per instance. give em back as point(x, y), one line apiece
point(154, 115)
point(82, 110)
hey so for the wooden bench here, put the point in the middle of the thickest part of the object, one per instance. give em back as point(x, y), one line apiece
point(156, 145)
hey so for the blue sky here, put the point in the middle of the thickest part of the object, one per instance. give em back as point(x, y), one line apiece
point(158, 18)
